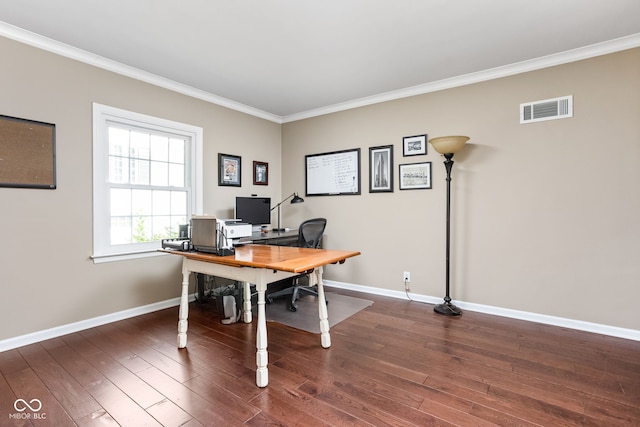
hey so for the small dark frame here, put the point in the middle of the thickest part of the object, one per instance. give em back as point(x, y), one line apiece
point(415, 176)
point(414, 145)
point(381, 169)
point(27, 153)
point(229, 170)
point(260, 173)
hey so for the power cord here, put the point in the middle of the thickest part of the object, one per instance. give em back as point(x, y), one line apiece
point(406, 290)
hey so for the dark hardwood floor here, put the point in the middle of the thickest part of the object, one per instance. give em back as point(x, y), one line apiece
point(396, 363)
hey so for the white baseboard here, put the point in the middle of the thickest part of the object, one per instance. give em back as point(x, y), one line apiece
point(631, 334)
point(613, 331)
point(58, 331)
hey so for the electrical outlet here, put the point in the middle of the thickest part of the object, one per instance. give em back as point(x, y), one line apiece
point(406, 276)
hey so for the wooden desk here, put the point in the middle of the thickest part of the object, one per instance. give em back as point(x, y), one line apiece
point(260, 265)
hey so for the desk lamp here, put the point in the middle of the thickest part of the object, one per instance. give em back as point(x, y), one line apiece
point(296, 199)
point(448, 146)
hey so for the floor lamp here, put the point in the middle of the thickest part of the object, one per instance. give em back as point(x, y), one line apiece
point(448, 146)
point(296, 199)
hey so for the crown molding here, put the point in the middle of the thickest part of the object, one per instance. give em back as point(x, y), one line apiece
point(45, 43)
point(578, 54)
point(50, 45)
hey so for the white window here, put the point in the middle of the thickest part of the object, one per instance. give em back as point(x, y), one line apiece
point(147, 181)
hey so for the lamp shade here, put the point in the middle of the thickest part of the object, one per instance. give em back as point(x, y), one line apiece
point(297, 199)
point(448, 144)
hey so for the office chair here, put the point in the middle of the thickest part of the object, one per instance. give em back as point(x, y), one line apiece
point(309, 236)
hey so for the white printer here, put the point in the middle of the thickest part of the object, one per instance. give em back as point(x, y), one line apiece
point(231, 231)
point(218, 236)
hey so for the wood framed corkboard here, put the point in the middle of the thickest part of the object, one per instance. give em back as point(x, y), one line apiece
point(27, 153)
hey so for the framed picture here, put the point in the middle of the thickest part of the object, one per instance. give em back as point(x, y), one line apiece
point(27, 153)
point(260, 173)
point(381, 169)
point(415, 176)
point(414, 145)
point(229, 169)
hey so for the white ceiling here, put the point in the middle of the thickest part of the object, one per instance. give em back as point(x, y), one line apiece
point(286, 59)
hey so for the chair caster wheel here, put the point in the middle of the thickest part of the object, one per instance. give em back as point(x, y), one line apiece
point(293, 308)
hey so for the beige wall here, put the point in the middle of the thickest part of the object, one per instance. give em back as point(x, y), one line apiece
point(46, 276)
point(545, 215)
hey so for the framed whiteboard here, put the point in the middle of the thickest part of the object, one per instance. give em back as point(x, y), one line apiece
point(333, 174)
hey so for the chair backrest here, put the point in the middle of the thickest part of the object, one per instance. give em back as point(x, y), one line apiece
point(310, 232)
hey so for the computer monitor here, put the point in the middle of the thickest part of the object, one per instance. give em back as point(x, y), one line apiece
point(253, 210)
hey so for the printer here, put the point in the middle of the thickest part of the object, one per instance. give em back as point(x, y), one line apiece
point(231, 231)
point(218, 236)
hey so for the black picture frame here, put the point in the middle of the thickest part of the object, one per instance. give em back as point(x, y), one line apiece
point(27, 153)
point(229, 170)
point(415, 145)
point(415, 176)
point(335, 173)
point(381, 169)
point(260, 173)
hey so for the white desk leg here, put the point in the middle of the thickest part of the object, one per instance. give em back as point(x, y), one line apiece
point(262, 357)
point(247, 317)
point(184, 310)
point(325, 338)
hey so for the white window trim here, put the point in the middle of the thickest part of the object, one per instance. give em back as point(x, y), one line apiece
point(102, 114)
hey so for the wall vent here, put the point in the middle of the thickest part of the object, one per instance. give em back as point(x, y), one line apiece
point(548, 109)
